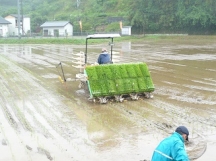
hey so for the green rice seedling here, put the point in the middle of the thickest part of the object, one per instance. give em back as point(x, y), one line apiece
point(130, 70)
point(98, 88)
point(92, 74)
point(119, 86)
point(116, 73)
point(112, 87)
point(123, 71)
point(95, 88)
point(149, 84)
point(107, 72)
point(138, 70)
point(135, 86)
point(104, 87)
point(142, 84)
point(117, 79)
point(100, 72)
point(144, 69)
point(128, 86)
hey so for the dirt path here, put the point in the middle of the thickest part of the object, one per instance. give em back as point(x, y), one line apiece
point(44, 119)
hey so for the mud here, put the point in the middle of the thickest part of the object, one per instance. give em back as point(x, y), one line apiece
point(43, 118)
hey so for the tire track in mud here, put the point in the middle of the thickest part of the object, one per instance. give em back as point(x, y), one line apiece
point(136, 116)
point(185, 115)
point(25, 88)
point(9, 115)
point(58, 54)
point(178, 114)
point(13, 113)
point(9, 152)
point(143, 116)
point(48, 60)
point(28, 111)
point(64, 115)
point(13, 117)
point(183, 77)
point(186, 106)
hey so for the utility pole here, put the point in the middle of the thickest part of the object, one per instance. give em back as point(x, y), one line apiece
point(78, 3)
point(18, 20)
point(80, 22)
point(22, 18)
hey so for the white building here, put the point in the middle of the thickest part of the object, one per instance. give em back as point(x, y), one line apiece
point(24, 24)
point(57, 28)
point(4, 27)
point(126, 30)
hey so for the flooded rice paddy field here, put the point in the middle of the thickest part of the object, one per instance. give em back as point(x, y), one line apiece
point(42, 118)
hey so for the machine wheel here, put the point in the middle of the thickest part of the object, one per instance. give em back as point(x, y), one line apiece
point(134, 96)
point(119, 98)
point(103, 100)
point(147, 94)
point(81, 84)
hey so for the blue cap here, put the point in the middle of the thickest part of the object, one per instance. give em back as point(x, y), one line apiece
point(182, 129)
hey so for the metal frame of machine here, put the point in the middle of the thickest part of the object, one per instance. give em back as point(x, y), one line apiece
point(100, 36)
point(85, 81)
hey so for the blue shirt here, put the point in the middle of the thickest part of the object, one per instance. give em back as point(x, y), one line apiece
point(104, 58)
point(171, 148)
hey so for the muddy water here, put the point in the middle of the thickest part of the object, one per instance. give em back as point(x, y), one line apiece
point(42, 118)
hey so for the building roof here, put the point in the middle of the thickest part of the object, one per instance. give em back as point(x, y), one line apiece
point(16, 15)
point(55, 24)
point(101, 36)
point(3, 21)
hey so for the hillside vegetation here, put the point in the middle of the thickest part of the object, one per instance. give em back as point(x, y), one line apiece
point(145, 16)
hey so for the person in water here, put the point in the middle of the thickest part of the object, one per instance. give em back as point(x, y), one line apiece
point(104, 57)
point(172, 147)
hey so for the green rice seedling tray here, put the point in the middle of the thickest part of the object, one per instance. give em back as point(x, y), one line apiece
point(118, 79)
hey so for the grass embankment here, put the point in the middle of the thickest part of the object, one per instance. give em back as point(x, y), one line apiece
point(81, 40)
point(24, 40)
point(74, 40)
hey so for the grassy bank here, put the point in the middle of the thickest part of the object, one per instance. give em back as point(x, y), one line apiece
point(73, 40)
point(24, 40)
point(81, 40)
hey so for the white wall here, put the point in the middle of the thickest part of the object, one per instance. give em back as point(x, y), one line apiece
point(26, 25)
point(63, 31)
point(4, 30)
point(13, 28)
point(69, 29)
point(66, 30)
point(126, 30)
